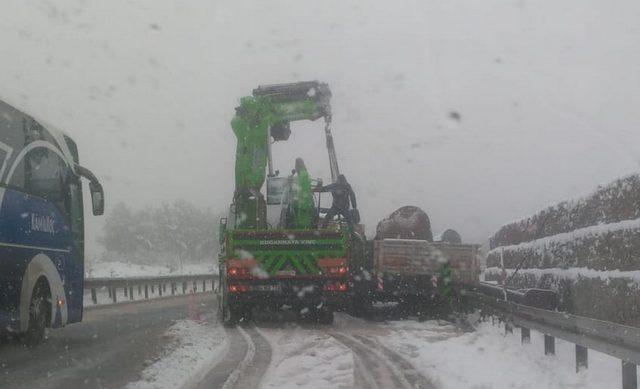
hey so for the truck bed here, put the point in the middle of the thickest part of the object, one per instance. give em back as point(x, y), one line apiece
point(411, 258)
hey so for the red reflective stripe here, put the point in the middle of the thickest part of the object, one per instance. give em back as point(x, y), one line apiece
point(249, 262)
point(331, 262)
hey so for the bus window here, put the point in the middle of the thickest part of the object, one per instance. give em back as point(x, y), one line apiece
point(43, 173)
point(4, 156)
point(10, 127)
point(17, 179)
point(47, 174)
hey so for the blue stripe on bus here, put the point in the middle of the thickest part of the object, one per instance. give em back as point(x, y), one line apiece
point(29, 226)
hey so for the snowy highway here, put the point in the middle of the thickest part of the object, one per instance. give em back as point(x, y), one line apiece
point(110, 348)
point(178, 342)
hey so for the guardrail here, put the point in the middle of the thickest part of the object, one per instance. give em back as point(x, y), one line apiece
point(147, 287)
point(619, 341)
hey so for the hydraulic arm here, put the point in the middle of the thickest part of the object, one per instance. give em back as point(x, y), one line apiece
point(265, 116)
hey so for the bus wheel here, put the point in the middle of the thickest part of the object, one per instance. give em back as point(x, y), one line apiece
point(39, 314)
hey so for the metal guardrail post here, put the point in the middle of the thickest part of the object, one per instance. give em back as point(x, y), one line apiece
point(629, 375)
point(614, 339)
point(582, 358)
point(525, 335)
point(190, 283)
point(549, 345)
point(508, 328)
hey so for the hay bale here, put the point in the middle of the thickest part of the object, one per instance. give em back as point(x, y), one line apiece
point(617, 201)
point(604, 247)
point(407, 222)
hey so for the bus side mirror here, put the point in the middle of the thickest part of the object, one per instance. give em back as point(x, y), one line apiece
point(97, 193)
point(97, 198)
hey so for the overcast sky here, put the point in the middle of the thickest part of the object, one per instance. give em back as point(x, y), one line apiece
point(548, 95)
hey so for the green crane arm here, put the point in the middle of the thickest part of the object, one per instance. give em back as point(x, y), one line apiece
point(265, 115)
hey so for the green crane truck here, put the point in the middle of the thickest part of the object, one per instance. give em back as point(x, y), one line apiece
point(290, 262)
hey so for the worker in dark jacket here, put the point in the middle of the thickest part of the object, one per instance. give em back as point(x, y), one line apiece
point(343, 197)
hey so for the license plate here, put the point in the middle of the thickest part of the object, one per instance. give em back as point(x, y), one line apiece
point(266, 288)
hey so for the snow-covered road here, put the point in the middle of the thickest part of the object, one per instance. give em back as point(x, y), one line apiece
point(163, 344)
point(355, 353)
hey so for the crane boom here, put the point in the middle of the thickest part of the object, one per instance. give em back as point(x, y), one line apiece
point(264, 116)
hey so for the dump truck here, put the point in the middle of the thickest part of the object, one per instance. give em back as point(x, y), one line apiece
point(274, 254)
point(405, 265)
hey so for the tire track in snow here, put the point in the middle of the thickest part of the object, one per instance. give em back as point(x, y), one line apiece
point(233, 378)
point(221, 372)
point(379, 367)
point(252, 371)
point(415, 379)
point(244, 366)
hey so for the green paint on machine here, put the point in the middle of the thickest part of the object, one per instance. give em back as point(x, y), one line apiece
point(284, 251)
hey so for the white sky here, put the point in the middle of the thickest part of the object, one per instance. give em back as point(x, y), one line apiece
point(548, 93)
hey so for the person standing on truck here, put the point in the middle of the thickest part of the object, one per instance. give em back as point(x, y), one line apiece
point(343, 198)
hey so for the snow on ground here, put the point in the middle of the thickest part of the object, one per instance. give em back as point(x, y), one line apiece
point(487, 358)
point(195, 348)
point(306, 359)
point(122, 270)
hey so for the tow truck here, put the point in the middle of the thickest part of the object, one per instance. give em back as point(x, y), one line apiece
point(288, 262)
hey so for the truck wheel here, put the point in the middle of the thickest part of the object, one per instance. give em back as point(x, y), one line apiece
point(229, 317)
point(362, 306)
point(39, 314)
point(235, 314)
point(325, 316)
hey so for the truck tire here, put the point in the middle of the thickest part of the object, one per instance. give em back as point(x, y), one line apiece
point(362, 306)
point(325, 316)
point(234, 314)
point(39, 314)
point(230, 316)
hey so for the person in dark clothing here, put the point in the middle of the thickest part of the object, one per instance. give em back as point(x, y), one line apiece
point(343, 198)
